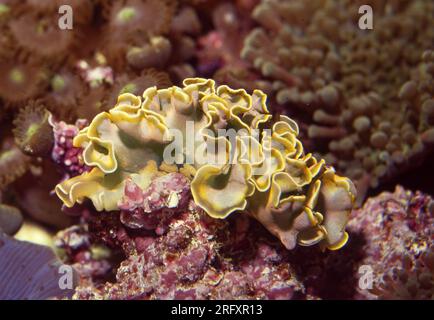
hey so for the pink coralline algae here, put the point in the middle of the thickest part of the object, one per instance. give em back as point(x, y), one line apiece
point(75, 246)
point(399, 244)
point(198, 258)
point(164, 194)
point(173, 250)
point(389, 255)
point(64, 153)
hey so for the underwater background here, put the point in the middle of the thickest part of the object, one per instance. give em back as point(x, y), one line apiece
point(90, 209)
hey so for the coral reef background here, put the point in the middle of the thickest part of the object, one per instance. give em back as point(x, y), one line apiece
point(363, 101)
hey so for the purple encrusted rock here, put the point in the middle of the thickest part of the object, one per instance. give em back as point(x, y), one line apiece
point(165, 195)
point(198, 257)
point(64, 153)
point(399, 232)
point(390, 242)
point(77, 249)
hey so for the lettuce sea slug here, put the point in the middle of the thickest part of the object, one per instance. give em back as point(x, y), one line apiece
point(262, 169)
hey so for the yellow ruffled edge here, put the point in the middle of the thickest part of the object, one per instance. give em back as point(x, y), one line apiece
point(196, 92)
point(91, 185)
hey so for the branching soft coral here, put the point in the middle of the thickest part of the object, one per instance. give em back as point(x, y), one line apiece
point(355, 88)
point(296, 197)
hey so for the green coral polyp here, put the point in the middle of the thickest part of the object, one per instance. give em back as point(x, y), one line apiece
point(58, 83)
point(4, 9)
point(126, 14)
point(16, 76)
point(296, 197)
point(128, 88)
point(32, 130)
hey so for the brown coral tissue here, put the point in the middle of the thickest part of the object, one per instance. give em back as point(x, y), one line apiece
point(217, 150)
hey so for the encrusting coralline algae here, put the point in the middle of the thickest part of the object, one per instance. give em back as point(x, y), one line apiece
point(185, 254)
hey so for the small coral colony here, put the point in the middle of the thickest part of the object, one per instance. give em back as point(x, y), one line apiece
point(201, 149)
